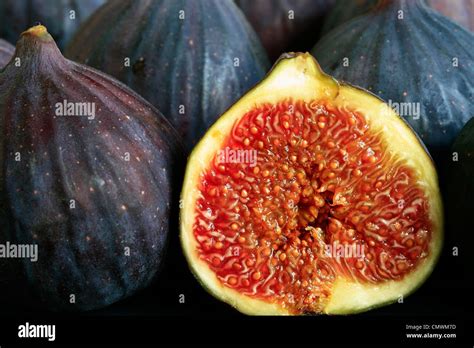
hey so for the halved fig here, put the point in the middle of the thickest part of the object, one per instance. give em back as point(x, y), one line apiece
point(310, 196)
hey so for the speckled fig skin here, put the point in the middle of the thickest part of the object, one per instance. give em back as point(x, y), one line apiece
point(17, 15)
point(183, 56)
point(94, 193)
point(6, 52)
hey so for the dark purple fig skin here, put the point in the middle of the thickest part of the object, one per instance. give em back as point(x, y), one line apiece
point(6, 53)
point(184, 67)
point(17, 15)
point(119, 204)
point(343, 11)
point(278, 32)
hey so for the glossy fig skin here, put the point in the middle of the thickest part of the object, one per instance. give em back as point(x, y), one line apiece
point(423, 59)
point(94, 193)
point(6, 52)
point(191, 59)
point(17, 15)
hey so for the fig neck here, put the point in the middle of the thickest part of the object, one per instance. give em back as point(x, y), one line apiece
point(37, 50)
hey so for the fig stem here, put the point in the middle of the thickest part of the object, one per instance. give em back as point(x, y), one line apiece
point(38, 31)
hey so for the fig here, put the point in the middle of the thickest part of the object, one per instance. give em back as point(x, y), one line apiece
point(310, 196)
point(421, 63)
point(62, 17)
point(284, 25)
point(87, 173)
point(6, 52)
point(191, 59)
point(459, 11)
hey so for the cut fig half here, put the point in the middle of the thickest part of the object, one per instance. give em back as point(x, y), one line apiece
point(310, 196)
